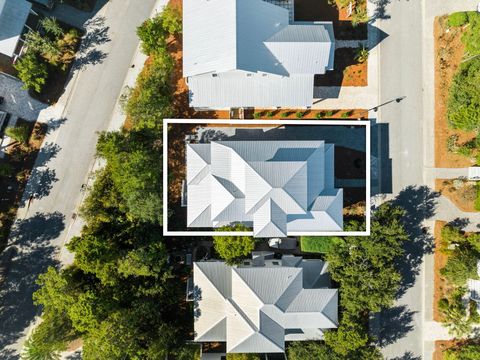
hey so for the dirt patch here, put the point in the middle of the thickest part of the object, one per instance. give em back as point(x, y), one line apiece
point(440, 259)
point(347, 71)
point(449, 51)
point(20, 161)
point(462, 193)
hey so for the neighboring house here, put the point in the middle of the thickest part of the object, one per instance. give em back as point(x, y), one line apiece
point(257, 306)
point(14, 18)
point(248, 53)
point(276, 187)
point(474, 288)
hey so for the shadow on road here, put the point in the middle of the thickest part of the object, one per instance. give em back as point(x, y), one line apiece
point(35, 253)
point(419, 203)
point(96, 34)
point(380, 12)
point(407, 356)
point(39, 184)
point(395, 323)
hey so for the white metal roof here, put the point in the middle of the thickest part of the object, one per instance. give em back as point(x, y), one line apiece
point(241, 89)
point(241, 53)
point(279, 185)
point(13, 15)
point(252, 307)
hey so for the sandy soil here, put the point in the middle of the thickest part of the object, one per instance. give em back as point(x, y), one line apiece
point(463, 198)
point(449, 51)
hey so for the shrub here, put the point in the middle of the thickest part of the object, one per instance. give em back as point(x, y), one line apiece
point(318, 115)
point(233, 248)
point(285, 114)
point(257, 115)
point(270, 113)
point(32, 71)
point(329, 113)
point(452, 143)
point(471, 37)
point(361, 53)
point(359, 16)
point(299, 114)
point(464, 97)
point(457, 19)
point(171, 19)
point(20, 133)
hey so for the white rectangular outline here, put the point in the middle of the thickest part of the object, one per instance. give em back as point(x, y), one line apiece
point(167, 122)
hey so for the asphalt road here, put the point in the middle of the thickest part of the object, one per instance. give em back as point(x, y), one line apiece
point(65, 162)
point(406, 70)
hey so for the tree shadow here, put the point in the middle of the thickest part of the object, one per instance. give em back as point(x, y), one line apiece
point(39, 184)
point(96, 35)
point(407, 356)
point(380, 12)
point(77, 355)
point(54, 124)
point(47, 152)
point(395, 323)
point(459, 223)
point(419, 203)
point(32, 237)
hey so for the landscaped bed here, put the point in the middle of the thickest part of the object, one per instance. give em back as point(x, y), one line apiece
point(17, 167)
point(440, 259)
point(449, 51)
point(303, 114)
point(463, 193)
point(348, 71)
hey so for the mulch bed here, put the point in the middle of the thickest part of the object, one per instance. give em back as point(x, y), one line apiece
point(463, 198)
point(22, 161)
point(347, 71)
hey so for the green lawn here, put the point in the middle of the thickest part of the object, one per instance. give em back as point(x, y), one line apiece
point(318, 244)
point(477, 201)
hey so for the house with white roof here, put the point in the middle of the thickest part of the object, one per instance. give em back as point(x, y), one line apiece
point(257, 306)
point(274, 187)
point(13, 18)
point(249, 53)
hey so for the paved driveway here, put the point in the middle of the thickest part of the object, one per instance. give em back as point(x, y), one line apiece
point(17, 101)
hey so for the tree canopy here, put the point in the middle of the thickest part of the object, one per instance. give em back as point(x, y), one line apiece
point(233, 248)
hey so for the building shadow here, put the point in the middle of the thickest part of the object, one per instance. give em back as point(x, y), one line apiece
point(395, 323)
point(381, 163)
point(35, 253)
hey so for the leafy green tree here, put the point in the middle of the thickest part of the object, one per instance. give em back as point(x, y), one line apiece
point(233, 356)
point(20, 133)
point(233, 248)
point(349, 336)
point(171, 19)
point(464, 97)
point(471, 37)
point(133, 160)
point(457, 19)
point(469, 351)
point(34, 349)
point(151, 100)
point(32, 71)
point(365, 267)
point(310, 350)
point(152, 35)
point(461, 266)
